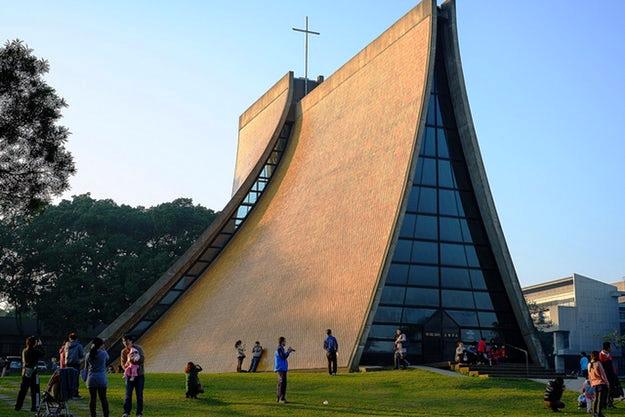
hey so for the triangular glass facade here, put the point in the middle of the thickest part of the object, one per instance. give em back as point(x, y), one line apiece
point(443, 284)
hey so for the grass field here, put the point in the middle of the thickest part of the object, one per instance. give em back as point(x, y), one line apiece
point(399, 393)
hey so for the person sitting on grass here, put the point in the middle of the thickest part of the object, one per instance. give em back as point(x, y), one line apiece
point(553, 394)
point(193, 380)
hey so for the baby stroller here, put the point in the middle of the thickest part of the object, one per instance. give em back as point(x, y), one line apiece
point(58, 392)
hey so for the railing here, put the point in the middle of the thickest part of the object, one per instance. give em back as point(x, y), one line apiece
point(527, 358)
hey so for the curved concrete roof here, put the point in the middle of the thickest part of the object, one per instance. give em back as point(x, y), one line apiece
point(310, 255)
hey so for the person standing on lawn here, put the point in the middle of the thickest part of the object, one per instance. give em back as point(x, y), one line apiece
point(331, 346)
point(257, 352)
point(137, 383)
point(240, 349)
point(74, 355)
point(281, 367)
point(583, 365)
point(599, 381)
point(97, 380)
point(400, 349)
point(605, 357)
point(31, 355)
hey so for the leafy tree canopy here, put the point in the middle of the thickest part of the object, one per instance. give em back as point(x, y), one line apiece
point(82, 262)
point(34, 164)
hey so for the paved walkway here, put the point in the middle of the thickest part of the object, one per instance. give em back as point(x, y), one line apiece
point(444, 372)
point(570, 384)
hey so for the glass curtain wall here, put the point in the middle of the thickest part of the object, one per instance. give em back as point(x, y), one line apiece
point(443, 284)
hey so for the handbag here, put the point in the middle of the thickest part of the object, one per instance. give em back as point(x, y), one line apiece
point(84, 373)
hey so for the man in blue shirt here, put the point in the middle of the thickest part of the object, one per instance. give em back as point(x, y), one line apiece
point(331, 346)
point(583, 365)
point(281, 367)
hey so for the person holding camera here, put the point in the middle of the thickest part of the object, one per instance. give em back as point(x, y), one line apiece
point(32, 353)
point(281, 367)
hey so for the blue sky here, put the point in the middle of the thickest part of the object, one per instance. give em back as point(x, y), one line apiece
point(155, 90)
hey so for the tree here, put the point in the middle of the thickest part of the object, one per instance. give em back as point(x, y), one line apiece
point(616, 338)
point(80, 263)
point(34, 164)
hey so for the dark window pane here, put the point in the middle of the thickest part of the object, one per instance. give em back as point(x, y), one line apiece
point(383, 331)
point(426, 227)
point(422, 297)
point(428, 147)
point(141, 327)
point(450, 229)
point(453, 145)
point(402, 251)
point(461, 299)
point(413, 199)
point(487, 319)
point(469, 335)
point(485, 257)
point(392, 295)
point(426, 200)
point(426, 172)
point(445, 175)
point(461, 175)
point(455, 278)
point(424, 252)
point(453, 254)
point(407, 226)
point(477, 279)
point(423, 275)
point(471, 256)
point(397, 274)
point(431, 120)
point(493, 280)
point(170, 297)
point(378, 346)
point(443, 152)
point(417, 315)
point(483, 301)
point(464, 318)
point(447, 202)
point(388, 315)
point(468, 206)
point(439, 118)
point(156, 312)
point(472, 231)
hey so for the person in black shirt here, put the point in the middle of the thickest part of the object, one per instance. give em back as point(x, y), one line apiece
point(553, 394)
point(30, 379)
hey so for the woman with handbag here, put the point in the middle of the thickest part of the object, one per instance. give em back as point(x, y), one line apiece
point(31, 355)
point(94, 374)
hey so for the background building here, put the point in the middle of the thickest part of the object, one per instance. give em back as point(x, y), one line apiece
point(578, 312)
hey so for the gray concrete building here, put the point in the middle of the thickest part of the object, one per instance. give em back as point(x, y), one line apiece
point(579, 312)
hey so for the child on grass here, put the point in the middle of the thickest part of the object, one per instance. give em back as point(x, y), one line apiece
point(131, 367)
point(192, 380)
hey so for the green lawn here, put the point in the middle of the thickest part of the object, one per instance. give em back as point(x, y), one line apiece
point(398, 393)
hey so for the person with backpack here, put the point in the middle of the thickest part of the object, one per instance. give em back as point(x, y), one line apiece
point(97, 380)
point(553, 394)
point(74, 355)
point(331, 346)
